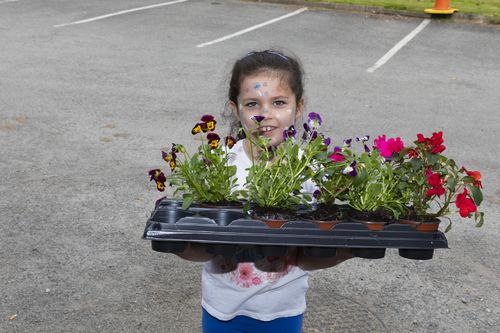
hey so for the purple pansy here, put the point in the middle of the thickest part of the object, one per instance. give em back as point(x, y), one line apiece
point(326, 141)
point(317, 194)
point(290, 132)
point(363, 139)
point(314, 120)
point(258, 119)
point(351, 170)
point(347, 142)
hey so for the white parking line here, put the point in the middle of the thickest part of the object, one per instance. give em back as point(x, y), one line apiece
point(5, 1)
point(241, 32)
point(398, 46)
point(120, 13)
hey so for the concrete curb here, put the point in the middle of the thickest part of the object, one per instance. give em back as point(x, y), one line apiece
point(456, 17)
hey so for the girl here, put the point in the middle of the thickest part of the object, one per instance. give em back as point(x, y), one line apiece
point(267, 295)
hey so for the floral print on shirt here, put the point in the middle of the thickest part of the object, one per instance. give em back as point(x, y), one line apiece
point(246, 275)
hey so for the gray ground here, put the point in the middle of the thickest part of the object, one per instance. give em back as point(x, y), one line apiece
point(85, 110)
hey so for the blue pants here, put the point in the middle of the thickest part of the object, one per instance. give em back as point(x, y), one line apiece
point(244, 324)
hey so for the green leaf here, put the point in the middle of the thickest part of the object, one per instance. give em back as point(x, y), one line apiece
point(187, 200)
point(477, 195)
point(448, 228)
point(481, 220)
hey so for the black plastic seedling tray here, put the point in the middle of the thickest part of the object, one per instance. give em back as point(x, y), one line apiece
point(231, 232)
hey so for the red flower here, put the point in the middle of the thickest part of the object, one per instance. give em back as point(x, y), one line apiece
point(412, 153)
point(436, 183)
point(465, 205)
point(434, 143)
point(477, 177)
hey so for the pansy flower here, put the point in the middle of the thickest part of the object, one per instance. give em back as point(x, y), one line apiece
point(314, 120)
point(326, 140)
point(209, 120)
point(465, 205)
point(198, 128)
point(229, 141)
point(289, 132)
point(317, 194)
point(347, 142)
point(160, 179)
point(364, 139)
point(258, 119)
point(213, 140)
point(170, 158)
point(337, 156)
point(351, 170)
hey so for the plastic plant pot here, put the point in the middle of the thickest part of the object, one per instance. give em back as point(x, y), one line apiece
point(222, 217)
point(169, 247)
point(416, 254)
point(225, 250)
point(369, 253)
point(270, 250)
point(323, 252)
point(170, 215)
point(427, 226)
point(171, 203)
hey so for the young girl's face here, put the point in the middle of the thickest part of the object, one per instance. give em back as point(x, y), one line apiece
point(267, 95)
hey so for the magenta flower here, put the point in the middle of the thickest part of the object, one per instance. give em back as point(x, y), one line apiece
point(387, 147)
point(337, 156)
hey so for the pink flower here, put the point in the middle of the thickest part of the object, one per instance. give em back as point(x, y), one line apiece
point(387, 147)
point(245, 272)
point(256, 280)
point(337, 156)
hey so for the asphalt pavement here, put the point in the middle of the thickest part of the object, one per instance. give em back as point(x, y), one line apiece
point(85, 108)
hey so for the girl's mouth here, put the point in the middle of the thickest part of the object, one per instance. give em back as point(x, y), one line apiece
point(266, 130)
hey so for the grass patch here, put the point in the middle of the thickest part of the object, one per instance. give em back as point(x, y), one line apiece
point(490, 8)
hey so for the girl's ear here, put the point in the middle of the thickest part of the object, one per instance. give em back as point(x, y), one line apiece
point(300, 108)
point(234, 108)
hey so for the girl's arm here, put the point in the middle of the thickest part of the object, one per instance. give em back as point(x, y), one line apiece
point(311, 263)
point(195, 252)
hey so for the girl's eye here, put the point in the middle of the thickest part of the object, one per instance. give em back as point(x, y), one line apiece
point(279, 103)
point(250, 104)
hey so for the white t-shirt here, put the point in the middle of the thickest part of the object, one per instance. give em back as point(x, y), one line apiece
point(261, 294)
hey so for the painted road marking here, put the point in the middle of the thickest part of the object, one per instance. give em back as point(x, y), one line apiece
point(5, 1)
point(120, 13)
point(398, 46)
point(241, 32)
